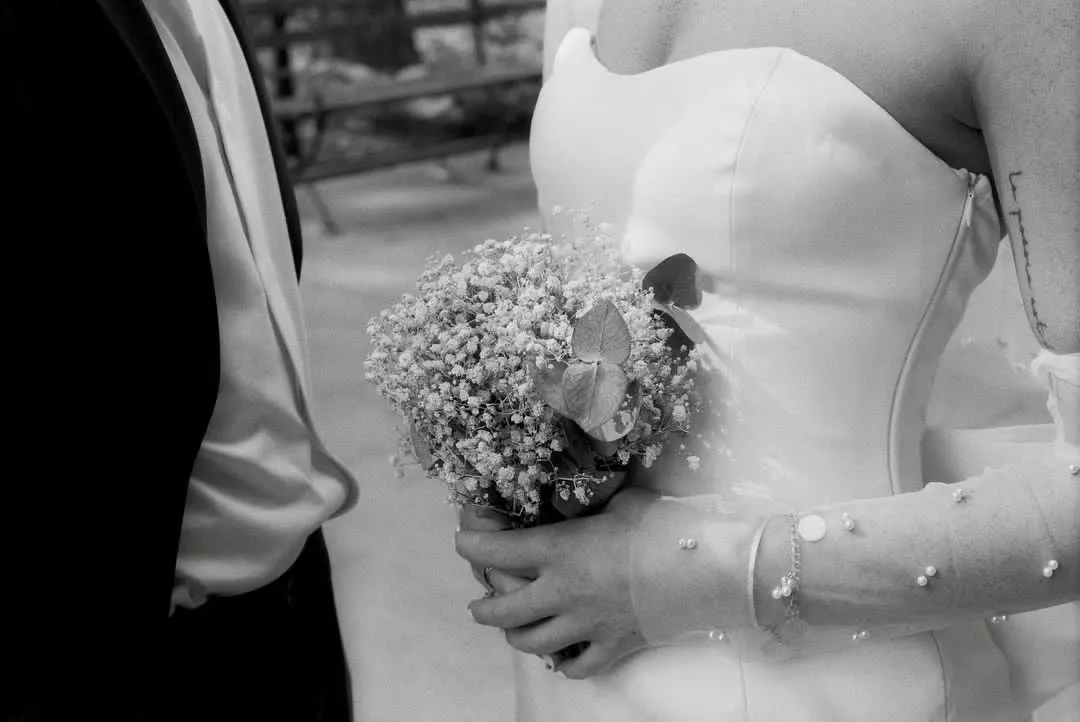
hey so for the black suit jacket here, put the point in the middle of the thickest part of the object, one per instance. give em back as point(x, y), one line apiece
point(112, 348)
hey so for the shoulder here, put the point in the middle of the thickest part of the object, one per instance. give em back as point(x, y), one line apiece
point(1023, 67)
point(1022, 64)
point(1003, 39)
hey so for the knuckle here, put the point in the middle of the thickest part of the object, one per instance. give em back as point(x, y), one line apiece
point(461, 544)
point(483, 614)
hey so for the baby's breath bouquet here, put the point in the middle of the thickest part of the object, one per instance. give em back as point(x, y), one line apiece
point(531, 372)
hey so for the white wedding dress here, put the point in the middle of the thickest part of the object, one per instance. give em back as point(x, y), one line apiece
point(838, 255)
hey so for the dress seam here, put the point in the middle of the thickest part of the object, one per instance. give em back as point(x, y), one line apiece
point(735, 170)
point(731, 265)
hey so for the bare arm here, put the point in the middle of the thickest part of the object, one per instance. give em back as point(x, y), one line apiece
point(1025, 76)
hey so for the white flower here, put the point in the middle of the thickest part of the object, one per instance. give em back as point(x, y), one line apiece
point(455, 355)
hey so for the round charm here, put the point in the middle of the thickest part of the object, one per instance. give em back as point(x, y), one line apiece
point(812, 528)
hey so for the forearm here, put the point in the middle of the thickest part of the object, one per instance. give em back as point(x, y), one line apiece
point(1007, 540)
point(909, 563)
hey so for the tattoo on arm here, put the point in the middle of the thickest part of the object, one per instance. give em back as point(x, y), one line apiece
point(1040, 327)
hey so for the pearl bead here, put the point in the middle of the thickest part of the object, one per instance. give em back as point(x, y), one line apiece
point(959, 496)
point(1074, 469)
point(1052, 564)
point(777, 593)
point(690, 543)
point(849, 523)
point(1048, 572)
point(682, 543)
point(921, 580)
point(931, 571)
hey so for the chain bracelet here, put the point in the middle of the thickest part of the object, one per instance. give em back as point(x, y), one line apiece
point(787, 592)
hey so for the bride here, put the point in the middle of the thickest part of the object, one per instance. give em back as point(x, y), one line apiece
point(883, 524)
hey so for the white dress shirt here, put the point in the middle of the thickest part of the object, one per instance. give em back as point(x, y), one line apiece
point(263, 480)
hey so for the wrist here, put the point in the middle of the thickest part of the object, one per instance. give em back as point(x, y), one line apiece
point(772, 561)
point(690, 569)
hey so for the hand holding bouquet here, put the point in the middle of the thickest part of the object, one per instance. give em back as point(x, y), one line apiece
point(532, 372)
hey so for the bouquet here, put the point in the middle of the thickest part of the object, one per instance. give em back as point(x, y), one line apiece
point(535, 370)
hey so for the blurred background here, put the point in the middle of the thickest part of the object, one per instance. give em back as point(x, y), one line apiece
point(405, 123)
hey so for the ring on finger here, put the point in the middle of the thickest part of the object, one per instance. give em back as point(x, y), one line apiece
point(485, 575)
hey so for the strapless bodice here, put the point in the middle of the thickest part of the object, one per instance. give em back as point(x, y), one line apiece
point(835, 252)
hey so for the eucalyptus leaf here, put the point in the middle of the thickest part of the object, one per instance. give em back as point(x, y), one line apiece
point(601, 335)
point(548, 382)
point(674, 281)
point(622, 423)
point(684, 321)
point(593, 392)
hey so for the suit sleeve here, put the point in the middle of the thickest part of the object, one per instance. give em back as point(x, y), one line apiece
point(112, 363)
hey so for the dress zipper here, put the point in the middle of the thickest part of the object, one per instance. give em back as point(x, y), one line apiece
point(969, 201)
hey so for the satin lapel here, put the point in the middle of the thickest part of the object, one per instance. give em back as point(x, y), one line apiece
point(137, 29)
point(288, 198)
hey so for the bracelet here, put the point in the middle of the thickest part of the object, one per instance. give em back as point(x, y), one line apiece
point(787, 592)
point(751, 574)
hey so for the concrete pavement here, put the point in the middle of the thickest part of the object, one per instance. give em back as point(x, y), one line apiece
point(415, 653)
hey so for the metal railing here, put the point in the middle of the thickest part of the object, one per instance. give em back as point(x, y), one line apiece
point(269, 21)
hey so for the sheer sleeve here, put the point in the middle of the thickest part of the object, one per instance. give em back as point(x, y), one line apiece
point(997, 543)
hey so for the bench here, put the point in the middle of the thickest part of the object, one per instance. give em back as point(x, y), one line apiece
point(313, 164)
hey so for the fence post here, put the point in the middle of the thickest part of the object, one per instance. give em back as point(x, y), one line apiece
point(284, 84)
point(477, 21)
